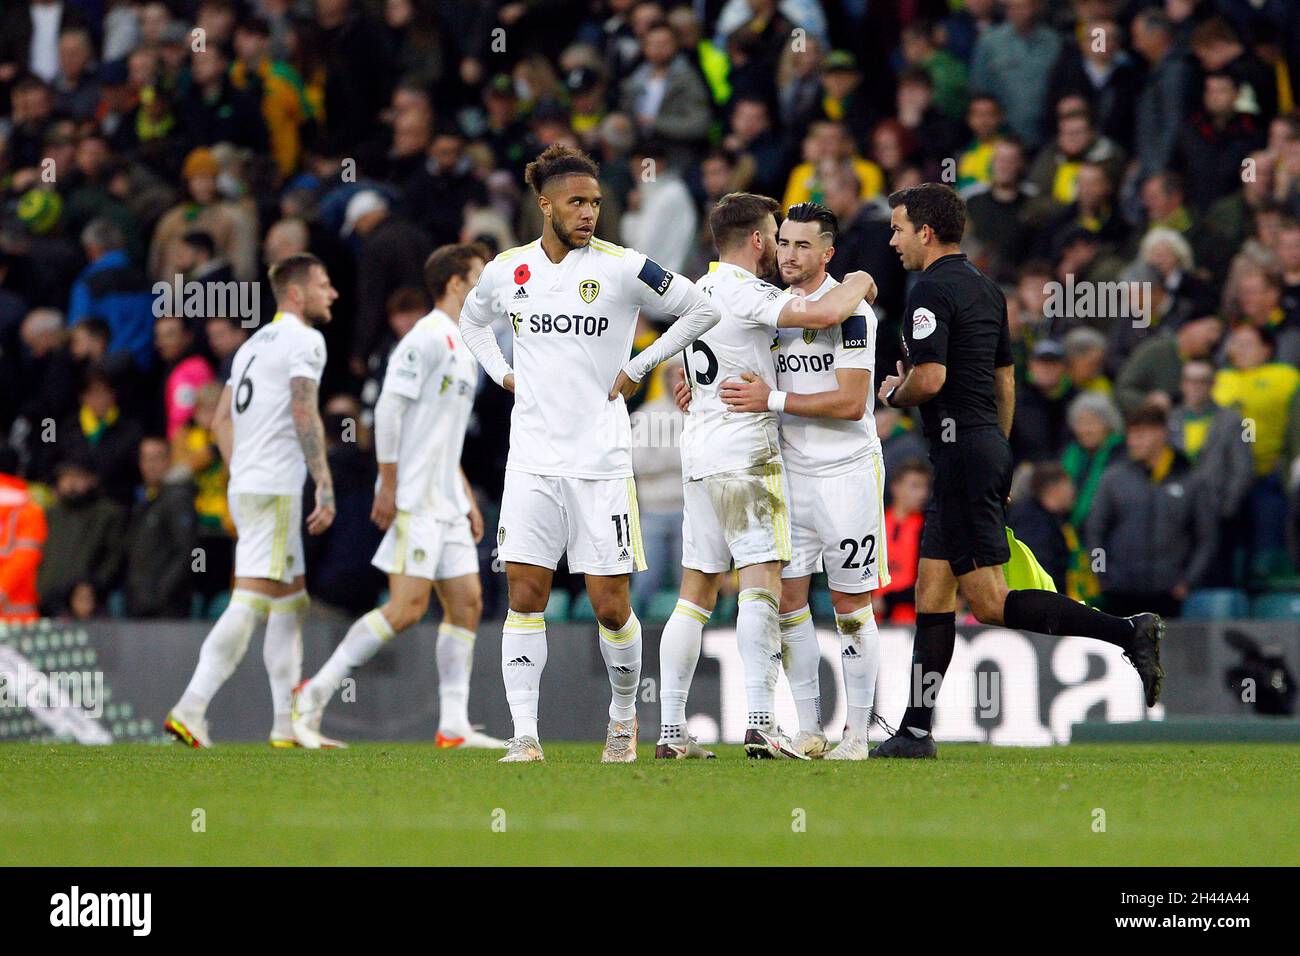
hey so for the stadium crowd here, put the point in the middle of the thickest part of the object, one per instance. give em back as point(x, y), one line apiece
point(1131, 170)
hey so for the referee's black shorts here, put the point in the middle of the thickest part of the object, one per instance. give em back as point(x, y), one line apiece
point(965, 522)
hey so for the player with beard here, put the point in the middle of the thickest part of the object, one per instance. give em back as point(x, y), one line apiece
point(958, 349)
point(269, 429)
point(734, 482)
point(836, 475)
point(573, 300)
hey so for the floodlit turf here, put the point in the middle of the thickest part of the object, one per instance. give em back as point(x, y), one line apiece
point(409, 804)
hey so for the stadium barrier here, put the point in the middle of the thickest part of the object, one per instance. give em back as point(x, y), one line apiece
point(106, 681)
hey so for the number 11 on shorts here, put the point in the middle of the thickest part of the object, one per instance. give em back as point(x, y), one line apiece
point(623, 528)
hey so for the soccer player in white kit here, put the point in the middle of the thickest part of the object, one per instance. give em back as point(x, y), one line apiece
point(269, 429)
point(423, 503)
point(735, 489)
point(573, 301)
point(836, 475)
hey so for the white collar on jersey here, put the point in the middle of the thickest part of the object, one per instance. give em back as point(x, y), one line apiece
point(283, 314)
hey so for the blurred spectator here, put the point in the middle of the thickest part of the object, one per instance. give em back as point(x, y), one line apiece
point(1259, 297)
point(206, 211)
point(1212, 439)
point(909, 492)
point(86, 543)
point(1056, 170)
point(937, 137)
point(975, 164)
point(751, 134)
point(900, 440)
point(186, 372)
point(1097, 431)
point(660, 220)
point(1039, 521)
point(844, 98)
point(1098, 69)
point(947, 73)
point(1085, 361)
point(440, 192)
point(1154, 371)
point(160, 536)
point(76, 89)
point(828, 149)
point(667, 98)
point(100, 436)
point(998, 211)
point(1013, 61)
point(225, 335)
point(657, 464)
point(1162, 101)
point(1040, 430)
point(113, 289)
point(338, 561)
point(405, 307)
point(195, 451)
point(1261, 390)
point(285, 105)
point(1153, 522)
point(1216, 139)
point(213, 110)
point(392, 255)
point(22, 544)
point(1219, 50)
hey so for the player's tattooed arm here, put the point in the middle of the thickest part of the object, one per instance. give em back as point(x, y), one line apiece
point(222, 427)
point(311, 437)
point(1005, 386)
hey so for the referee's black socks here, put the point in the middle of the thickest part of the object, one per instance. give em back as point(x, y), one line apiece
point(1047, 612)
point(936, 635)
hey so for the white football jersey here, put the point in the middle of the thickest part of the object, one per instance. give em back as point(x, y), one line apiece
point(716, 439)
point(266, 458)
point(806, 364)
point(432, 367)
point(574, 322)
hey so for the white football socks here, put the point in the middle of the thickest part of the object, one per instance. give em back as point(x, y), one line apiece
point(222, 650)
point(282, 654)
point(363, 640)
point(455, 653)
point(621, 650)
point(860, 657)
point(679, 652)
point(759, 635)
point(523, 657)
point(801, 656)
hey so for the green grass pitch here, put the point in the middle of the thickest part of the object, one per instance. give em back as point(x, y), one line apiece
point(410, 804)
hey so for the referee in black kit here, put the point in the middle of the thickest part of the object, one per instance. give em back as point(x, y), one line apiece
point(958, 346)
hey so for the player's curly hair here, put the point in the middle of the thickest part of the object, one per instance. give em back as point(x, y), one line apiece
point(558, 160)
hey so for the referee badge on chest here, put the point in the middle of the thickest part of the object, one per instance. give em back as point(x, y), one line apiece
point(588, 289)
point(923, 323)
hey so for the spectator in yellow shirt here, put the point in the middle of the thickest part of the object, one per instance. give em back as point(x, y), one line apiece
point(826, 147)
point(1262, 390)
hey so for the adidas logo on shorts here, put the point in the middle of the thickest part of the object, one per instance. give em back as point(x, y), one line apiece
point(622, 670)
point(522, 661)
point(623, 555)
point(850, 651)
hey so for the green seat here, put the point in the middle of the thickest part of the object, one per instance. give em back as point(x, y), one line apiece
point(1216, 604)
point(557, 607)
point(660, 607)
point(218, 605)
point(580, 609)
point(1276, 607)
point(822, 608)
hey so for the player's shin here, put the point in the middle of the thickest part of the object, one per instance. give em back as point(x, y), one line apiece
point(363, 640)
point(282, 654)
point(936, 636)
point(455, 660)
point(801, 657)
point(679, 652)
point(222, 650)
point(860, 659)
point(621, 650)
point(759, 635)
point(523, 657)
